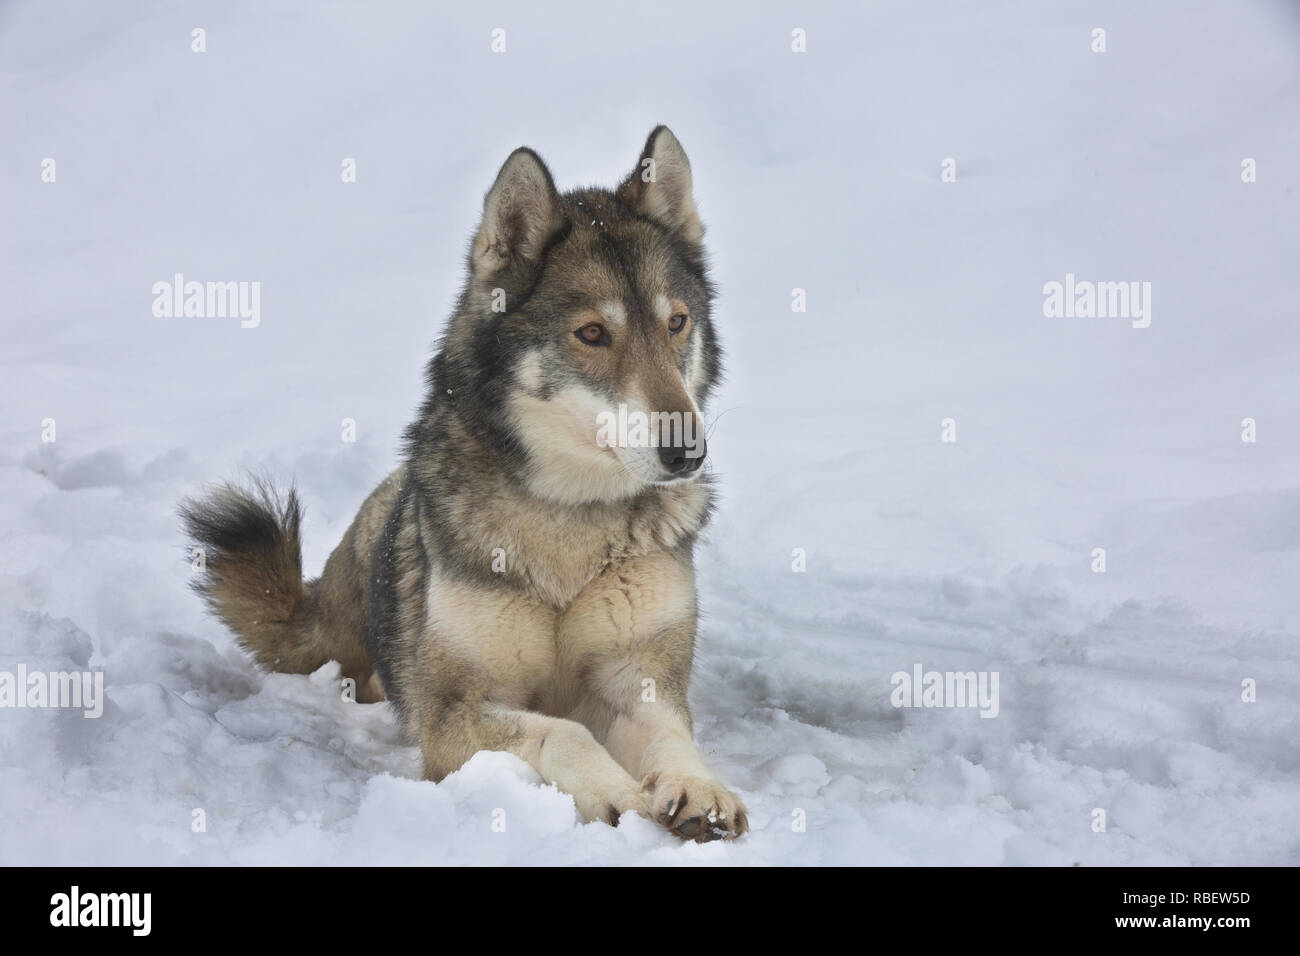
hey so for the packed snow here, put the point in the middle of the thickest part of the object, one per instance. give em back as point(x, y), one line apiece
point(1127, 691)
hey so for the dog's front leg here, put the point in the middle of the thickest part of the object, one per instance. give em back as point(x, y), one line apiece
point(655, 743)
point(632, 633)
point(563, 752)
point(484, 656)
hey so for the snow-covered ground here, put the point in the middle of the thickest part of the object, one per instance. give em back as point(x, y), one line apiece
point(1120, 691)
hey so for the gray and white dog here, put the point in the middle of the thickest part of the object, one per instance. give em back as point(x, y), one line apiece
point(524, 582)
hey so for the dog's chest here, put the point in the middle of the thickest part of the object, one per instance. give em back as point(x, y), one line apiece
point(558, 553)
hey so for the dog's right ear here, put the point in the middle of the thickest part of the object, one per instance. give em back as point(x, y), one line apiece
point(521, 215)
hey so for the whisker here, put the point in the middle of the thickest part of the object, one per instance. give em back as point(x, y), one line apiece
point(708, 431)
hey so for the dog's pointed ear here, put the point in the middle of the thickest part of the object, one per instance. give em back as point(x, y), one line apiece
point(660, 186)
point(521, 214)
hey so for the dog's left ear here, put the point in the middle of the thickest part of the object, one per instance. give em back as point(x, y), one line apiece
point(660, 186)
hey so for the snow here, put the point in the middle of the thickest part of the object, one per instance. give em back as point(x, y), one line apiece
point(1119, 690)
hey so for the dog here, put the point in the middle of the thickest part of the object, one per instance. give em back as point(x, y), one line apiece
point(524, 581)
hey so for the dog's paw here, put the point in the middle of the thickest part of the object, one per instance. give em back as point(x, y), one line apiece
point(609, 807)
point(695, 808)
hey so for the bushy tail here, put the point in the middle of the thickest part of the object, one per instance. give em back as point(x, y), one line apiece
point(248, 541)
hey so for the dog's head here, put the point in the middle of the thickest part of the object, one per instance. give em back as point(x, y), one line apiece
point(589, 313)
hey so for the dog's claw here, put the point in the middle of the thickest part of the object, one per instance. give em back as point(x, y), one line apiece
point(696, 808)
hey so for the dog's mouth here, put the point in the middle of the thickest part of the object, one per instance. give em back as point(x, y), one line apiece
point(674, 480)
point(641, 467)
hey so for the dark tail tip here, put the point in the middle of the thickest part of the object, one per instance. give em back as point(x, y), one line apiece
point(247, 545)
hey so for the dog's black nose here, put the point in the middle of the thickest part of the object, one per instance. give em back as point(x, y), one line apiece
point(680, 459)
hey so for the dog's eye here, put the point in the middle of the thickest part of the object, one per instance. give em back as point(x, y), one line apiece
point(677, 323)
point(593, 334)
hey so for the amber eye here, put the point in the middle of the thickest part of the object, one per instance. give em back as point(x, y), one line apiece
point(593, 334)
point(677, 323)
